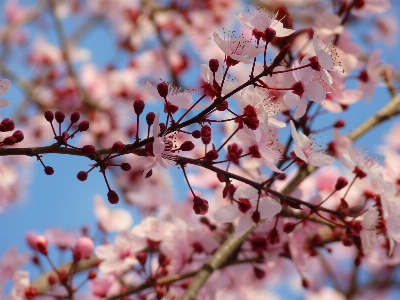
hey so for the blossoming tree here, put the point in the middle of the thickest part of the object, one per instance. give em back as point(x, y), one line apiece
point(265, 205)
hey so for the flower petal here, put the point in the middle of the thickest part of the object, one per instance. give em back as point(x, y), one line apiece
point(244, 224)
point(226, 214)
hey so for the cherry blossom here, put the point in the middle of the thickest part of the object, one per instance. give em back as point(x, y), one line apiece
point(162, 147)
point(4, 86)
point(368, 233)
point(268, 148)
point(248, 201)
point(175, 96)
point(305, 149)
point(265, 108)
point(370, 76)
point(121, 255)
point(303, 87)
point(237, 50)
point(261, 21)
point(11, 262)
point(110, 220)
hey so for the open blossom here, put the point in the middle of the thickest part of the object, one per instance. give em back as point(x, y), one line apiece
point(246, 207)
point(121, 255)
point(303, 88)
point(4, 86)
point(370, 76)
point(162, 147)
point(111, 219)
point(369, 233)
point(265, 109)
point(238, 50)
point(175, 96)
point(261, 20)
point(304, 149)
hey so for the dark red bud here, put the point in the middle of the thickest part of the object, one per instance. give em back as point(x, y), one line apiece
point(112, 197)
point(256, 217)
point(48, 170)
point(59, 116)
point(49, 115)
point(92, 274)
point(289, 227)
point(162, 89)
point(211, 155)
point(150, 118)
point(223, 106)
point(196, 134)
point(125, 166)
point(10, 140)
point(213, 65)
point(341, 183)
point(269, 34)
point(82, 175)
point(339, 123)
point(138, 106)
point(118, 146)
point(142, 257)
point(259, 273)
point(18, 135)
point(75, 116)
point(88, 149)
point(83, 126)
point(187, 146)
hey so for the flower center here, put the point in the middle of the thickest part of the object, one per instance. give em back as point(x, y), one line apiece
point(298, 88)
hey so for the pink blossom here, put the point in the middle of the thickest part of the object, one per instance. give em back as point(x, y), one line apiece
point(175, 96)
point(101, 285)
point(303, 87)
point(305, 149)
point(370, 76)
point(239, 50)
point(11, 262)
point(21, 282)
point(247, 196)
point(162, 147)
point(61, 238)
point(261, 20)
point(4, 86)
point(111, 219)
point(120, 256)
point(268, 148)
point(369, 231)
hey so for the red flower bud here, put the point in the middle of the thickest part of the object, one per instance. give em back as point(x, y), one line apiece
point(88, 149)
point(339, 123)
point(138, 106)
point(112, 197)
point(83, 126)
point(341, 183)
point(48, 170)
point(75, 116)
point(213, 64)
point(162, 89)
point(49, 116)
point(18, 135)
point(10, 140)
point(59, 116)
point(150, 118)
point(196, 134)
point(211, 155)
point(118, 147)
point(187, 146)
point(82, 175)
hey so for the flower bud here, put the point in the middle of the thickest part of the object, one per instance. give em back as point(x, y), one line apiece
point(92, 274)
point(118, 146)
point(211, 155)
point(112, 197)
point(125, 166)
point(49, 116)
point(83, 248)
point(88, 149)
point(256, 217)
point(138, 106)
point(150, 118)
point(339, 123)
point(341, 183)
point(259, 273)
point(289, 227)
point(82, 175)
point(48, 170)
point(213, 64)
point(75, 116)
point(196, 134)
point(162, 89)
point(187, 146)
point(83, 126)
point(7, 125)
point(200, 206)
point(18, 135)
point(10, 140)
point(59, 116)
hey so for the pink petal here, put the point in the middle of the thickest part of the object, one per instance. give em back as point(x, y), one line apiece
point(226, 214)
point(301, 108)
point(153, 91)
point(183, 100)
point(268, 208)
point(4, 85)
point(244, 224)
point(4, 103)
point(315, 92)
point(291, 99)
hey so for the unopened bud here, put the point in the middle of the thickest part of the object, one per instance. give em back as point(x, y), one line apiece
point(339, 123)
point(19, 136)
point(118, 146)
point(162, 89)
point(75, 116)
point(112, 197)
point(83, 126)
point(59, 116)
point(138, 106)
point(196, 134)
point(211, 155)
point(48, 170)
point(213, 65)
point(82, 175)
point(341, 183)
point(49, 116)
point(125, 166)
point(187, 146)
point(10, 140)
point(150, 118)
point(88, 149)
